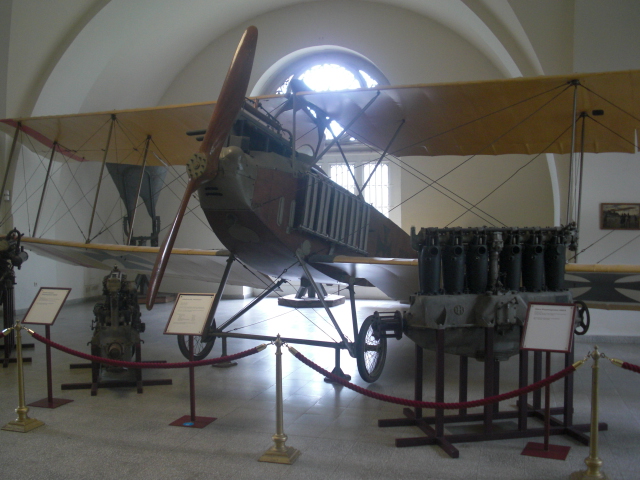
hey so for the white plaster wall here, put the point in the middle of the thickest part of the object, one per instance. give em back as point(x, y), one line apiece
point(407, 47)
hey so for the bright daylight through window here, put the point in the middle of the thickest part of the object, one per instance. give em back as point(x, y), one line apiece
point(324, 77)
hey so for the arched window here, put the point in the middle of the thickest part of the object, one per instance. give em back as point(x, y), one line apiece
point(334, 71)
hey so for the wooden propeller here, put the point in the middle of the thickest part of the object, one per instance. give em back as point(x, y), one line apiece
point(226, 110)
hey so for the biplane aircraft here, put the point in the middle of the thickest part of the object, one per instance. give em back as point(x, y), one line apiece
point(277, 213)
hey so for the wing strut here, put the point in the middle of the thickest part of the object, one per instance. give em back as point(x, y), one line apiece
point(346, 162)
point(104, 161)
point(345, 341)
point(135, 209)
point(44, 188)
point(384, 154)
point(572, 167)
point(14, 142)
point(337, 139)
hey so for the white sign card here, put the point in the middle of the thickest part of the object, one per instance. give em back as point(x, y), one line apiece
point(46, 306)
point(549, 327)
point(190, 314)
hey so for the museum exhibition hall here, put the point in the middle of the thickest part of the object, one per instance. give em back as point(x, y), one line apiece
point(405, 243)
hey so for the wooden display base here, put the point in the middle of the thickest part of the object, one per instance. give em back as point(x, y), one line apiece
point(306, 302)
point(50, 403)
point(7, 361)
point(555, 452)
point(95, 383)
point(433, 427)
point(9, 347)
point(196, 422)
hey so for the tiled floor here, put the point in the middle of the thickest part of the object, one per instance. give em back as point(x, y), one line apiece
point(120, 434)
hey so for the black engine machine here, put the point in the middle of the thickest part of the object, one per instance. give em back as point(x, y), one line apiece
point(117, 324)
point(472, 279)
point(12, 255)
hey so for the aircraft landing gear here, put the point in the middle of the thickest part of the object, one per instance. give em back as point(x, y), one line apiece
point(371, 344)
point(201, 345)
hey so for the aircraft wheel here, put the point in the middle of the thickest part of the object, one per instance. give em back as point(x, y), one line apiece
point(201, 346)
point(584, 318)
point(371, 350)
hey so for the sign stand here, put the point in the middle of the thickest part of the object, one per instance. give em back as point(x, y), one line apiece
point(44, 311)
point(549, 328)
point(189, 317)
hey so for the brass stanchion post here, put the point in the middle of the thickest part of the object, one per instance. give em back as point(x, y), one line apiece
point(23, 423)
point(279, 453)
point(592, 461)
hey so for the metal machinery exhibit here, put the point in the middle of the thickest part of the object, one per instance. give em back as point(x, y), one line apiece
point(117, 325)
point(471, 280)
point(12, 255)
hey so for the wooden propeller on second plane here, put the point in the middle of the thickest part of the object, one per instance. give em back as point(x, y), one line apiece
point(204, 165)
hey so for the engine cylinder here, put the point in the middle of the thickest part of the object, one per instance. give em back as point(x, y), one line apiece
point(533, 268)
point(554, 260)
point(453, 269)
point(511, 266)
point(477, 268)
point(429, 264)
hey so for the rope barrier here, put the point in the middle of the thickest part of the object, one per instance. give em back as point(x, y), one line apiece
point(120, 363)
point(5, 332)
point(626, 365)
point(438, 405)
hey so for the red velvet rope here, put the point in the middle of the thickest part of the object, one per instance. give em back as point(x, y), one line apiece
point(1, 334)
point(437, 405)
point(120, 363)
point(630, 366)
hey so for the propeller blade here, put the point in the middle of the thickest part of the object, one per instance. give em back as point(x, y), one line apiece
point(230, 100)
point(225, 111)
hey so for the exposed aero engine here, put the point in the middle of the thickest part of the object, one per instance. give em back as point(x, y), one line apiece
point(472, 280)
point(117, 324)
point(477, 278)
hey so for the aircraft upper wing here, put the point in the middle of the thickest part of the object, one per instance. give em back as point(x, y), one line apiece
point(206, 265)
point(523, 115)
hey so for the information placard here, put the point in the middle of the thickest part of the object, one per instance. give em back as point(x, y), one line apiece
point(549, 327)
point(46, 306)
point(190, 314)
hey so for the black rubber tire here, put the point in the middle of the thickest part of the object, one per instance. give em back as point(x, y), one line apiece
point(371, 352)
point(584, 316)
point(200, 348)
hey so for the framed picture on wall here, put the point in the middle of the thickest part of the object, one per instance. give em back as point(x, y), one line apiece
point(620, 216)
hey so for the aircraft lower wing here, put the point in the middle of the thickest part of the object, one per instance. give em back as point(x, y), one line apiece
point(608, 287)
point(205, 265)
point(396, 277)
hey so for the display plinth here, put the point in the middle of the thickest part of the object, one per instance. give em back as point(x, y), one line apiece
point(555, 452)
point(50, 403)
point(196, 422)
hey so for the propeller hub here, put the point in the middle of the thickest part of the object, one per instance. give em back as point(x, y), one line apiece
point(196, 165)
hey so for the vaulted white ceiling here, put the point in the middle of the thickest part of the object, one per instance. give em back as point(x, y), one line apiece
point(148, 42)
